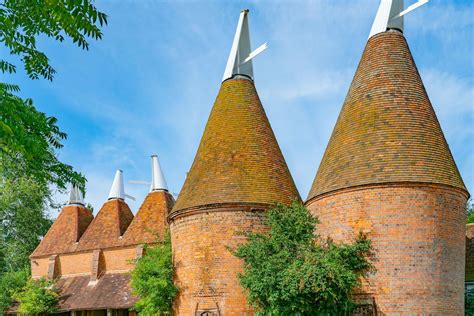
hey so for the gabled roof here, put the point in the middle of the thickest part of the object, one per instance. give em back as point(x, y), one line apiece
point(238, 160)
point(66, 230)
point(150, 220)
point(110, 223)
point(387, 130)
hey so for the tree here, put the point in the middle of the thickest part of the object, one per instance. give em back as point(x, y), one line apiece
point(291, 271)
point(23, 21)
point(11, 283)
point(469, 212)
point(29, 140)
point(23, 220)
point(37, 297)
point(24, 131)
point(152, 279)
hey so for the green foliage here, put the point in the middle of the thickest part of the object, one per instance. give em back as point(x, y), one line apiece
point(36, 297)
point(469, 302)
point(10, 283)
point(23, 21)
point(152, 279)
point(289, 271)
point(469, 212)
point(29, 140)
point(23, 220)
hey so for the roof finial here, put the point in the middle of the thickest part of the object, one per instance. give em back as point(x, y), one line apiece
point(240, 57)
point(158, 181)
point(117, 190)
point(390, 15)
point(75, 196)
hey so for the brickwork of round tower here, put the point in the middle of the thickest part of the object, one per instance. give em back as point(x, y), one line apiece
point(238, 172)
point(388, 172)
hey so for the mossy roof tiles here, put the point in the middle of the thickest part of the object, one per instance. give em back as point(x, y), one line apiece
point(112, 291)
point(238, 159)
point(387, 130)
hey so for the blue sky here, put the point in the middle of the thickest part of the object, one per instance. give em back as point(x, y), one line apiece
point(149, 85)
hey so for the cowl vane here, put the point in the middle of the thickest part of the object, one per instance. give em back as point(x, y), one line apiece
point(75, 196)
point(240, 57)
point(390, 15)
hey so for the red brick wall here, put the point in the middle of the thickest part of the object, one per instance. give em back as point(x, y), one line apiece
point(206, 272)
point(418, 234)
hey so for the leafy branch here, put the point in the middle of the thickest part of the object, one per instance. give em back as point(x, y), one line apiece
point(23, 21)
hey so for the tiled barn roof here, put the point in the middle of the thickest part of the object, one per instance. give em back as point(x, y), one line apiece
point(112, 291)
point(106, 228)
point(65, 231)
point(238, 159)
point(150, 219)
point(387, 130)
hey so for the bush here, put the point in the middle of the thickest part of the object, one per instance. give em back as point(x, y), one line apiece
point(37, 296)
point(152, 279)
point(10, 283)
point(469, 302)
point(291, 271)
point(469, 212)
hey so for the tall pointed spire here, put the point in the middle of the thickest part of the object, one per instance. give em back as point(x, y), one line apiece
point(158, 181)
point(117, 190)
point(240, 57)
point(390, 15)
point(239, 159)
point(238, 173)
point(75, 196)
point(387, 130)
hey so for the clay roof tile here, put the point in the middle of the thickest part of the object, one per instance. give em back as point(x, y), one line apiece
point(387, 130)
point(150, 220)
point(66, 230)
point(107, 227)
point(238, 160)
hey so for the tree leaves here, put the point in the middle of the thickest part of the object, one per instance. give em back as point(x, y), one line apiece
point(37, 297)
point(10, 283)
point(152, 279)
point(291, 271)
point(22, 21)
point(30, 139)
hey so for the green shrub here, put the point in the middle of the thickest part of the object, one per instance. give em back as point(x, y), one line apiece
point(10, 283)
point(289, 271)
point(37, 296)
point(152, 279)
point(469, 212)
point(469, 302)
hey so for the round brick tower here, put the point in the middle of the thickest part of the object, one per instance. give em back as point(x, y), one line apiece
point(388, 171)
point(238, 172)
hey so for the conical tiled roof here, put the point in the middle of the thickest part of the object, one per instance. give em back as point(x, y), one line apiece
point(387, 130)
point(150, 220)
point(238, 160)
point(110, 223)
point(66, 230)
